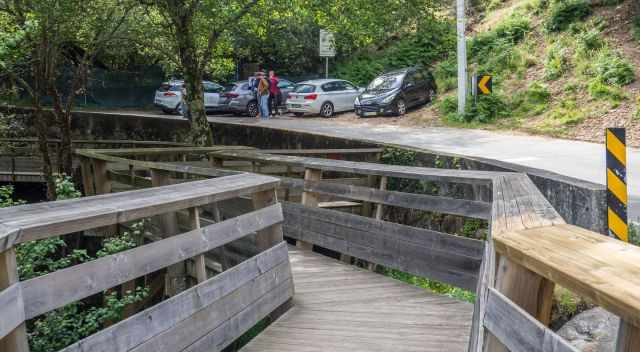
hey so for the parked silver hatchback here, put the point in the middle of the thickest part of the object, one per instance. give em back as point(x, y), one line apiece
point(323, 96)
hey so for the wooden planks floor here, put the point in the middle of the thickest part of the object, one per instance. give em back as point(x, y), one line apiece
point(338, 307)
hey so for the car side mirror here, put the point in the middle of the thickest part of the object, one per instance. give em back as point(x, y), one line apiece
point(408, 85)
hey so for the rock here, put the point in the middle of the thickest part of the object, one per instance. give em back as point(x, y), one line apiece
point(594, 330)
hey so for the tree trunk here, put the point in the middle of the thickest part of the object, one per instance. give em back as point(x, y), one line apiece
point(42, 126)
point(201, 134)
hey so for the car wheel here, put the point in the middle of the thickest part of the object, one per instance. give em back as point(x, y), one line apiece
point(326, 110)
point(401, 107)
point(252, 109)
point(178, 110)
point(298, 114)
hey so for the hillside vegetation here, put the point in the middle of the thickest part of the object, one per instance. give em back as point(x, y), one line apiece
point(563, 68)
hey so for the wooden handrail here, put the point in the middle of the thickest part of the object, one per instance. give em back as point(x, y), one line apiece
point(257, 286)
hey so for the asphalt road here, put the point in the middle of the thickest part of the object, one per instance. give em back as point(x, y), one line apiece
point(582, 160)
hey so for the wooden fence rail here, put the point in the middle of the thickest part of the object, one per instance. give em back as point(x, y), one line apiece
point(214, 312)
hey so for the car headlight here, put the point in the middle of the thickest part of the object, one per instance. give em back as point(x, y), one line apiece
point(388, 99)
point(357, 101)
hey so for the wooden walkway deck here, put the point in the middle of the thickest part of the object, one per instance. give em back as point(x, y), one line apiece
point(338, 307)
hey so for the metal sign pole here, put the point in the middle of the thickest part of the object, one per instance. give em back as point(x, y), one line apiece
point(326, 67)
point(462, 57)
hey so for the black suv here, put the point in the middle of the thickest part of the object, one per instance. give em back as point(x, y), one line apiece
point(394, 92)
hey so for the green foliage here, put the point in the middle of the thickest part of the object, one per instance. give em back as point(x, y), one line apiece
point(533, 101)
point(557, 61)
point(600, 90)
point(64, 326)
point(6, 197)
point(65, 189)
point(488, 108)
point(432, 285)
point(429, 43)
point(634, 233)
point(446, 74)
point(564, 12)
point(472, 227)
point(590, 40)
point(448, 106)
point(567, 113)
point(494, 51)
point(612, 68)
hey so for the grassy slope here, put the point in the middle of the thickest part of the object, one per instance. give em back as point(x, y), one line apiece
point(566, 108)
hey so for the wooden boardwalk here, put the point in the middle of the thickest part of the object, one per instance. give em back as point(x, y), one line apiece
point(339, 307)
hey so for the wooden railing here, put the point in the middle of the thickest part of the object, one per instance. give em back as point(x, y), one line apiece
point(528, 250)
point(212, 312)
point(20, 159)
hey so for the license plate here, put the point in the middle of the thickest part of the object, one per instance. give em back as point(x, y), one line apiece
point(369, 113)
point(296, 105)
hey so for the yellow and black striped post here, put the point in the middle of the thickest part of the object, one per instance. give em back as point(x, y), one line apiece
point(617, 184)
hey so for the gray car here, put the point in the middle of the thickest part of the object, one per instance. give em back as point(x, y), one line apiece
point(238, 98)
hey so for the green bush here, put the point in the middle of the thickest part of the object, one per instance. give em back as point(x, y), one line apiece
point(612, 68)
point(564, 12)
point(448, 105)
point(590, 40)
point(446, 74)
point(487, 108)
point(600, 90)
point(508, 33)
point(557, 61)
point(538, 93)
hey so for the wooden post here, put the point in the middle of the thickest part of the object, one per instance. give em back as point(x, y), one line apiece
point(528, 290)
point(201, 269)
point(383, 186)
point(87, 176)
point(175, 278)
point(216, 162)
point(309, 199)
point(101, 180)
point(16, 341)
point(628, 337)
point(272, 235)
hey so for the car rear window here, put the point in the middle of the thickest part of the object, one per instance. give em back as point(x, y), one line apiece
point(175, 88)
point(304, 88)
point(164, 87)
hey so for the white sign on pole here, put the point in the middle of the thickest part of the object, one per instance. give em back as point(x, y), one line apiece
point(327, 44)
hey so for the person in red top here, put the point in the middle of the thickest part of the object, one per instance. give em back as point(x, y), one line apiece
point(275, 95)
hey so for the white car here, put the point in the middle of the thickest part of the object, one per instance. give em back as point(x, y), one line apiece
point(169, 96)
point(322, 96)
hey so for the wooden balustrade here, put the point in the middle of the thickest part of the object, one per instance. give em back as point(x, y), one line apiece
point(513, 273)
point(213, 313)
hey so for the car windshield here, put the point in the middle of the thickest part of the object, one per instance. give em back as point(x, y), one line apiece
point(304, 88)
point(386, 82)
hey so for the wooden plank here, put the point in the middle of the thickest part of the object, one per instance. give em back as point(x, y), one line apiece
point(323, 151)
point(309, 199)
point(445, 205)
point(200, 264)
point(54, 290)
point(14, 338)
point(42, 220)
point(450, 259)
point(12, 309)
point(628, 337)
point(519, 331)
point(274, 285)
point(363, 168)
point(127, 334)
point(272, 235)
point(602, 269)
point(338, 204)
point(133, 180)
